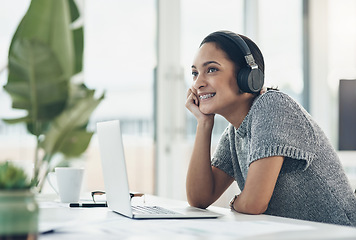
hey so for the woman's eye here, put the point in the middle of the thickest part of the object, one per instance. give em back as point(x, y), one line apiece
point(194, 74)
point(211, 70)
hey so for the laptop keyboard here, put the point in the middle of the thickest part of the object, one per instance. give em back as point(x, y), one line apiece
point(151, 210)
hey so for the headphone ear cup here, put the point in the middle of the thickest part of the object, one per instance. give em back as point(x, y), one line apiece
point(250, 80)
point(243, 78)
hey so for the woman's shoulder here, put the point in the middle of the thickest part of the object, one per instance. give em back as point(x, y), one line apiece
point(273, 96)
point(273, 99)
point(276, 107)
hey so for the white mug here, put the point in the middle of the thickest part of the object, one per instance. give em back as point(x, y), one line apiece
point(69, 182)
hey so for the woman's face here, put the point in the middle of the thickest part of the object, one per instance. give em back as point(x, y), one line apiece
point(214, 81)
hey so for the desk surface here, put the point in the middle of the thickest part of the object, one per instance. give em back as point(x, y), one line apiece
point(101, 223)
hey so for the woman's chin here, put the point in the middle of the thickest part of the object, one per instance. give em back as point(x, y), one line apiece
point(205, 110)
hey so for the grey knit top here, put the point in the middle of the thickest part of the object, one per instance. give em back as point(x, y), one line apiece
point(312, 184)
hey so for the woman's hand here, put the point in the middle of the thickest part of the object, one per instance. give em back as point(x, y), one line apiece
point(192, 104)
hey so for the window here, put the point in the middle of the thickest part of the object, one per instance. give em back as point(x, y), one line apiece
point(120, 58)
point(280, 39)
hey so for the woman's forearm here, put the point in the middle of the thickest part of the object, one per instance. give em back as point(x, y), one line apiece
point(259, 186)
point(200, 180)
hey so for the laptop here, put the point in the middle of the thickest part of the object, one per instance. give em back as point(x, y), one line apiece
point(116, 182)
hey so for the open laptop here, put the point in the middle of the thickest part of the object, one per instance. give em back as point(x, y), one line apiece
point(116, 181)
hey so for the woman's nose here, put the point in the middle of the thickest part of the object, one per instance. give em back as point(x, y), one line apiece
point(199, 82)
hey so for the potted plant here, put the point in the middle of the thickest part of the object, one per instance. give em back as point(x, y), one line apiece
point(45, 55)
point(18, 207)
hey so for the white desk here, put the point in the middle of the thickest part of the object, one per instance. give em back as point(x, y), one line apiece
point(101, 223)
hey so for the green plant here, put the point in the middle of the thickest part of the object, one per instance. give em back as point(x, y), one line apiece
point(45, 53)
point(13, 177)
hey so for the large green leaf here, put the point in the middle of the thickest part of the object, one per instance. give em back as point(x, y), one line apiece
point(67, 133)
point(76, 143)
point(36, 82)
point(44, 53)
point(49, 22)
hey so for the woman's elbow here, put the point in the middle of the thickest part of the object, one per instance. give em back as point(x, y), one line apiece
point(253, 208)
point(256, 210)
point(195, 202)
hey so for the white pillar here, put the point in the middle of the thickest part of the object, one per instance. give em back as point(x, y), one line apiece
point(251, 19)
point(170, 109)
point(319, 56)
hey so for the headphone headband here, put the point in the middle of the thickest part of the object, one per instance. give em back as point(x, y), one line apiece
point(250, 78)
point(238, 41)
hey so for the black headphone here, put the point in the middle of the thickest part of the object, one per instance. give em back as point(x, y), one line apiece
point(250, 78)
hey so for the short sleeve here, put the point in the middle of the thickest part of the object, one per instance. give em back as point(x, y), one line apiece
point(281, 127)
point(222, 156)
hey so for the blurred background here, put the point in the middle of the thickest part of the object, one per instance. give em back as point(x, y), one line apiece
point(140, 52)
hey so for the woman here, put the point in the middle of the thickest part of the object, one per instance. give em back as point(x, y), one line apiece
point(280, 158)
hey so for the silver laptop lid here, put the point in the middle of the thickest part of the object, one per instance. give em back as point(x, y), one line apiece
point(114, 167)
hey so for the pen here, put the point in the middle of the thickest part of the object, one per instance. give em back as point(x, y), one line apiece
point(89, 205)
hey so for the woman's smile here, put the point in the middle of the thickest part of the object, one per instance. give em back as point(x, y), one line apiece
point(206, 96)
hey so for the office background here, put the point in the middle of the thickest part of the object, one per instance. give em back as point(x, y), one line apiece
point(140, 52)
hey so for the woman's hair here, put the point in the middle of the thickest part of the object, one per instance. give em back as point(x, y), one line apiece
point(233, 51)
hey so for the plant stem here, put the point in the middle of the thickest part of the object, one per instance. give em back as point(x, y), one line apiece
point(45, 160)
point(37, 162)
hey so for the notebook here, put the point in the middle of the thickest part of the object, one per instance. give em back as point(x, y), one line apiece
point(116, 181)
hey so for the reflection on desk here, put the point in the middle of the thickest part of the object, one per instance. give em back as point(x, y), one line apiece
point(102, 223)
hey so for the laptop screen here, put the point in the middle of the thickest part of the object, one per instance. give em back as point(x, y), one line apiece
point(114, 167)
